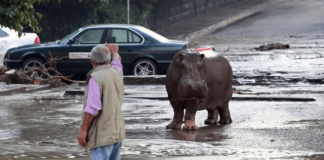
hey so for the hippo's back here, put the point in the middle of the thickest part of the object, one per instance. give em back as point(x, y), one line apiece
point(219, 77)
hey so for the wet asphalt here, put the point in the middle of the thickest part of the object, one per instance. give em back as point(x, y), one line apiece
point(286, 18)
point(44, 123)
point(33, 127)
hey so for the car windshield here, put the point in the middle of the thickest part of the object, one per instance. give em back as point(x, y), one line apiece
point(69, 36)
point(153, 34)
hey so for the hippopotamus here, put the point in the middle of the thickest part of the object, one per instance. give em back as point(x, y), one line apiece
point(199, 81)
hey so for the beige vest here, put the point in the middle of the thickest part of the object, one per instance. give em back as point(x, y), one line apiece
point(108, 127)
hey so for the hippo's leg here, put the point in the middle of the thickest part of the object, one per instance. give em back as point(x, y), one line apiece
point(225, 116)
point(191, 109)
point(212, 117)
point(178, 114)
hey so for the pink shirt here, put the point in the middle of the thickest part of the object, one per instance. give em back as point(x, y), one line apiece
point(93, 101)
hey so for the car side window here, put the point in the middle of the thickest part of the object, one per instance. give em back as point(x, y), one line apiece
point(133, 38)
point(3, 34)
point(90, 36)
point(122, 36)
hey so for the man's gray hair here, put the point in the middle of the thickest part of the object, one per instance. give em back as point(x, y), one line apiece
point(100, 54)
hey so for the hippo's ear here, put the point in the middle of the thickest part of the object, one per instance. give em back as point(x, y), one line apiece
point(180, 55)
point(202, 55)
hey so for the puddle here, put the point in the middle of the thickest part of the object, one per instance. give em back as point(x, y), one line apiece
point(159, 148)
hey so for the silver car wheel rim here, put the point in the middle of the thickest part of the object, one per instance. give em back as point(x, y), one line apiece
point(31, 65)
point(144, 68)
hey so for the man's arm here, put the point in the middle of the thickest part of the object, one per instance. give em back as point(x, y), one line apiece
point(91, 110)
point(117, 64)
point(116, 59)
point(84, 129)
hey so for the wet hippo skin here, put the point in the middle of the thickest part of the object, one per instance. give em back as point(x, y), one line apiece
point(199, 81)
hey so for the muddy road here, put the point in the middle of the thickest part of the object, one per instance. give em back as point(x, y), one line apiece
point(40, 123)
point(45, 124)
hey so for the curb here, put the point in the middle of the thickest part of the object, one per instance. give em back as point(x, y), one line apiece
point(228, 21)
point(128, 80)
point(149, 80)
point(138, 80)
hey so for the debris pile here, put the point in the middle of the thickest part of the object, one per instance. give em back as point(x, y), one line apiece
point(44, 74)
point(3, 70)
point(272, 46)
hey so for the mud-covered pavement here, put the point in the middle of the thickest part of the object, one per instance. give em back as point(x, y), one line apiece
point(45, 124)
point(37, 122)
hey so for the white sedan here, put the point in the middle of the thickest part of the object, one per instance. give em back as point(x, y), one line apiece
point(9, 39)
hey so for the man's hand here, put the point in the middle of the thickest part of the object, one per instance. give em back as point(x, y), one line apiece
point(113, 48)
point(84, 129)
point(82, 138)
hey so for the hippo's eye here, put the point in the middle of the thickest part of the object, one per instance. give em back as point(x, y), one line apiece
point(199, 65)
point(182, 66)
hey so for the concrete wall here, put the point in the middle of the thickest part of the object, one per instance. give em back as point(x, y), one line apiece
point(166, 12)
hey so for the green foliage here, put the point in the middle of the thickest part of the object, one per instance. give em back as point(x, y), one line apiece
point(60, 19)
point(17, 14)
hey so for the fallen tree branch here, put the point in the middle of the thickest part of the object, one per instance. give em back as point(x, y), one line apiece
point(47, 73)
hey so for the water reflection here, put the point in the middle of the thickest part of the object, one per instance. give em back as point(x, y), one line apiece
point(212, 133)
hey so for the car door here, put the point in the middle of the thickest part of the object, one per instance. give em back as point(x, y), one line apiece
point(78, 61)
point(129, 43)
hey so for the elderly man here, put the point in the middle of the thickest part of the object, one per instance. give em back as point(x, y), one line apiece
point(103, 127)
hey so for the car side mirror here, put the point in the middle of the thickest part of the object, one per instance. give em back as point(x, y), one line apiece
point(71, 41)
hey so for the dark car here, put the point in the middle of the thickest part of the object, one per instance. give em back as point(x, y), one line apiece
point(143, 51)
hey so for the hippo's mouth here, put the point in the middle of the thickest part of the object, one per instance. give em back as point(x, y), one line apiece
point(199, 95)
point(191, 98)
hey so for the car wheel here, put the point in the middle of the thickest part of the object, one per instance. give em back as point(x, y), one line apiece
point(32, 63)
point(144, 67)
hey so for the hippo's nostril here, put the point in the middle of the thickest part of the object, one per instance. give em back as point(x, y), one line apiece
point(189, 86)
